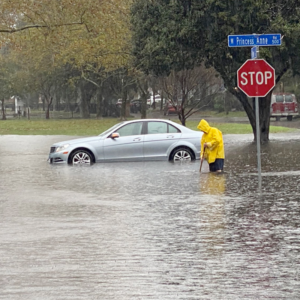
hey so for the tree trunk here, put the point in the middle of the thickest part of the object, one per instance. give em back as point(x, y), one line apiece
point(49, 102)
point(264, 118)
point(143, 88)
point(264, 113)
point(3, 110)
point(48, 112)
point(144, 97)
point(162, 101)
point(181, 115)
point(154, 93)
point(99, 106)
point(124, 106)
point(84, 104)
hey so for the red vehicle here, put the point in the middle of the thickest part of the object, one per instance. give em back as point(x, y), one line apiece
point(170, 109)
point(135, 105)
point(284, 105)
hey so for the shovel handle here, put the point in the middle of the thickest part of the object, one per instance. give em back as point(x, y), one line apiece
point(202, 158)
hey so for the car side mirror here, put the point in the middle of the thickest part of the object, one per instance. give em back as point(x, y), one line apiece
point(115, 135)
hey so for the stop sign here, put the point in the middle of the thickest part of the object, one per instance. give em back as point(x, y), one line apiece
point(256, 78)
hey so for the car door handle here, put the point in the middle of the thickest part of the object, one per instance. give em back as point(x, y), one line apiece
point(136, 139)
point(170, 136)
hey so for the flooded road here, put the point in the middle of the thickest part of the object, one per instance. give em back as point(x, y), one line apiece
point(152, 230)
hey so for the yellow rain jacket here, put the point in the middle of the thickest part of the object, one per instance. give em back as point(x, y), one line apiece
point(214, 140)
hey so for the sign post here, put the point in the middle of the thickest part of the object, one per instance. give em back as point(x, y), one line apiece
point(254, 51)
point(256, 78)
point(258, 132)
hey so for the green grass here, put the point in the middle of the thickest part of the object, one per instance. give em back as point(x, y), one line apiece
point(78, 127)
point(83, 127)
point(237, 128)
point(230, 114)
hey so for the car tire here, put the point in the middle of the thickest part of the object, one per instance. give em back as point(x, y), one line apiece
point(182, 154)
point(277, 119)
point(289, 118)
point(81, 157)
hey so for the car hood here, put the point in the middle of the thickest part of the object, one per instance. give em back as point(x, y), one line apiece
point(80, 140)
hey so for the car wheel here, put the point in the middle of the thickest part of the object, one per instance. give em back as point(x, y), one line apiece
point(289, 118)
point(81, 157)
point(277, 118)
point(182, 154)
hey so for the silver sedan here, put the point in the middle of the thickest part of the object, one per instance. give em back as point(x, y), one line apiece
point(137, 140)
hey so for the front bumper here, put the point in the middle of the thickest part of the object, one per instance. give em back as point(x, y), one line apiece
point(57, 158)
point(283, 114)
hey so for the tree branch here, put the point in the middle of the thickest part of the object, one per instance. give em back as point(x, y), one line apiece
point(89, 80)
point(39, 26)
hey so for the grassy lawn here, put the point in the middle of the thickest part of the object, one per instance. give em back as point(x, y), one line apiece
point(83, 127)
point(230, 114)
point(236, 128)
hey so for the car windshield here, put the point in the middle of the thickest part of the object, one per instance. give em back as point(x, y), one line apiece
point(279, 98)
point(111, 129)
point(288, 98)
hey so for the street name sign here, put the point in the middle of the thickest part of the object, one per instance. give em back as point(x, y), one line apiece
point(256, 78)
point(250, 40)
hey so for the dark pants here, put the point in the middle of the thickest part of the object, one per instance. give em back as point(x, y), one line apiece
point(217, 165)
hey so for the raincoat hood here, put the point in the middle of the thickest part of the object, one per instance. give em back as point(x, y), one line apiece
point(203, 126)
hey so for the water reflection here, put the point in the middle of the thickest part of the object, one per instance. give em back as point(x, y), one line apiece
point(212, 183)
point(212, 214)
point(152, 230)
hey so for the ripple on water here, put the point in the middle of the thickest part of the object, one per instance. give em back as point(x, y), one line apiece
point(152, 230)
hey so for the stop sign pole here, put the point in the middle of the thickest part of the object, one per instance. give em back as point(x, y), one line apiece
point(256, 78)
point(258, 139)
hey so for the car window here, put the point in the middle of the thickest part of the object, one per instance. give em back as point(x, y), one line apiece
point(279, 98)
point(161, 127)
point(173, 129)
point(288, 98)
point(131, 129)
point(110, 129)
point(157, 127)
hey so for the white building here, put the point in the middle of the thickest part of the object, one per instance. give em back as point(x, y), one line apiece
point(19, 104)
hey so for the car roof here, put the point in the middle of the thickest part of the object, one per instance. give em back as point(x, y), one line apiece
point(160, 120)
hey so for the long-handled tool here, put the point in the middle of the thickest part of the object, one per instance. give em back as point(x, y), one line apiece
point(202, 158)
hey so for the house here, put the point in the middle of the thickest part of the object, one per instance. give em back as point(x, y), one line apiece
point(14, 104)
point(19, 105)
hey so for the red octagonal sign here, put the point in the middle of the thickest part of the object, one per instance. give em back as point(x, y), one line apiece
point(256, 78)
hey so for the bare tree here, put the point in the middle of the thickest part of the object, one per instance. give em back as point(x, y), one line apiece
point(189, 91)
point(143, 87)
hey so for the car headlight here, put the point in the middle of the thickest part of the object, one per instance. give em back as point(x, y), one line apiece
point(61, 148)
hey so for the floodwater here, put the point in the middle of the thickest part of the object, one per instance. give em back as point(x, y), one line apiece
point(152, 230)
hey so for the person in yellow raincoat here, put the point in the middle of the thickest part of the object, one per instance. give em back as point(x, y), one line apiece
point(212, 146)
